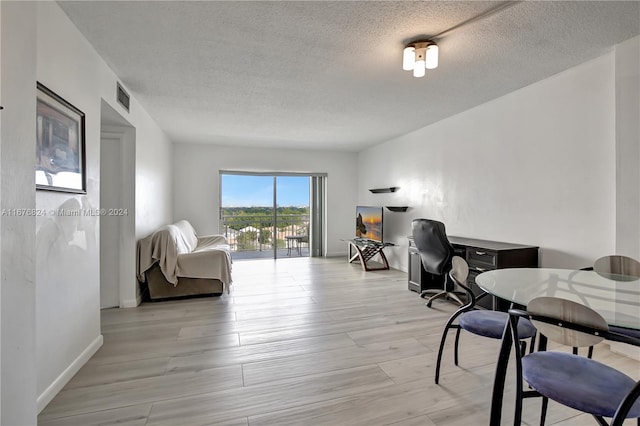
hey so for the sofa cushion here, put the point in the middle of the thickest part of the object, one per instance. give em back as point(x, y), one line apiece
point(186, 238)
point(207, 262)
point(212, 241)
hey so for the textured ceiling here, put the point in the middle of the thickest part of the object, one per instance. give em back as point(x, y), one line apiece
point(327, 74)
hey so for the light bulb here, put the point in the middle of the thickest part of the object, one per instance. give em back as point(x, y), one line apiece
point(418, 69)
point(432, 57)
point(408, 58)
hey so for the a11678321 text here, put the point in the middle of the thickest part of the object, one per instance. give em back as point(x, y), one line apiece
point(36, 212)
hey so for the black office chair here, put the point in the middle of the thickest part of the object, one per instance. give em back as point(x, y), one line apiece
point(436, 253)
point(571, 380)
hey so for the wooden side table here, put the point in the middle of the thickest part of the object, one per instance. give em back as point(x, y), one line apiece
point(365, 251)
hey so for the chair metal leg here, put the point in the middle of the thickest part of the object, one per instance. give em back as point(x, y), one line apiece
point(433, 292)
point(455, 297)
point(442, 294)
point(499, 378)
point(425, 293)
point(543, 411)
point(532, 344)
point(519, 394)
point(625, 406)
point(434, 297)
point(447, 327)
point(589, 353)
point(523, 348)
point(455, 347)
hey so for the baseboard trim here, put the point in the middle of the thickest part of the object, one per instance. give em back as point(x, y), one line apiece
point(336, 254)
point(52, 390)
point(131, 303)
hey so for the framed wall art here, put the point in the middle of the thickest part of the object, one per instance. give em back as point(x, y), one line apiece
point(60, 144)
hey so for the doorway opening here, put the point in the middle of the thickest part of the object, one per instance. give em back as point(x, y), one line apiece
point(117, 193)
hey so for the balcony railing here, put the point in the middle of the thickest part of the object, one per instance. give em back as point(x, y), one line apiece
point(256, 232)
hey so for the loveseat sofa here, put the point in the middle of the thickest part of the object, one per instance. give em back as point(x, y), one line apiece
point(174, 262)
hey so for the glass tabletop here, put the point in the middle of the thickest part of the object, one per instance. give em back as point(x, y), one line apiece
point(615, 297)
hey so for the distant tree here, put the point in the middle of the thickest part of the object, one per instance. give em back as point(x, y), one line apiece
point(265, 236)
point(238, 218)
point(247, 240)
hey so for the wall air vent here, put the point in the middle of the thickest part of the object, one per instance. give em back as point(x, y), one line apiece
point(122, 96)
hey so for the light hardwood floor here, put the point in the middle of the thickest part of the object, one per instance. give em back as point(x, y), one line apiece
point(304, 341)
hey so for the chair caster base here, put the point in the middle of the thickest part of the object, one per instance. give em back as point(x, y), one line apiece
point(443, 295)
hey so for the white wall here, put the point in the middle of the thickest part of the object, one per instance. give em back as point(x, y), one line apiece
point(154, 176)
point(536, 166)
point(628, 159)
point(67, 259)
point(197, 186)
point(67, 248)
point(17, 183)
point(628, 148)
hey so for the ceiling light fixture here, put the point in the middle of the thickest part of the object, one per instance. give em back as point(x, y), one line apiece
point(420, 55)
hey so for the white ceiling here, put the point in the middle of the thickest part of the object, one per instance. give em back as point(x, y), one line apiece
point(327, 74)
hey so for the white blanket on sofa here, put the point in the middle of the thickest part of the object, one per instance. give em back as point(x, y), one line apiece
point(181, 253)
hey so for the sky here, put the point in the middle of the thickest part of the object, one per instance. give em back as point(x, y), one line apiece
point(257, 191)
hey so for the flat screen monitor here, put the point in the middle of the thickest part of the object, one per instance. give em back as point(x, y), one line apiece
point(369, 222)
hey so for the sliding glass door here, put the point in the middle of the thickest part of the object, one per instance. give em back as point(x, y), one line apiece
point(292, 215)
point(246, 213)
point(266, 215)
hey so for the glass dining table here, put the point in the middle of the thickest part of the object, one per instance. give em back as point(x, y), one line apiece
point(615, 297)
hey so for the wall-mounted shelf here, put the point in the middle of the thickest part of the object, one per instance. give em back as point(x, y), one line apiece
point(381, 190)
point(397, 208)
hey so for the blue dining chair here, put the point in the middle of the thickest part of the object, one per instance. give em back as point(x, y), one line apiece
point(475, 320)
point(575, 381)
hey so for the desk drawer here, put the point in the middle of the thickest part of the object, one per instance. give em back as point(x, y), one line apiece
point(478, 269)
point(483, 259)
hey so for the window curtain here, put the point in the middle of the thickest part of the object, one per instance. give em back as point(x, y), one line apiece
point(316, 247)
